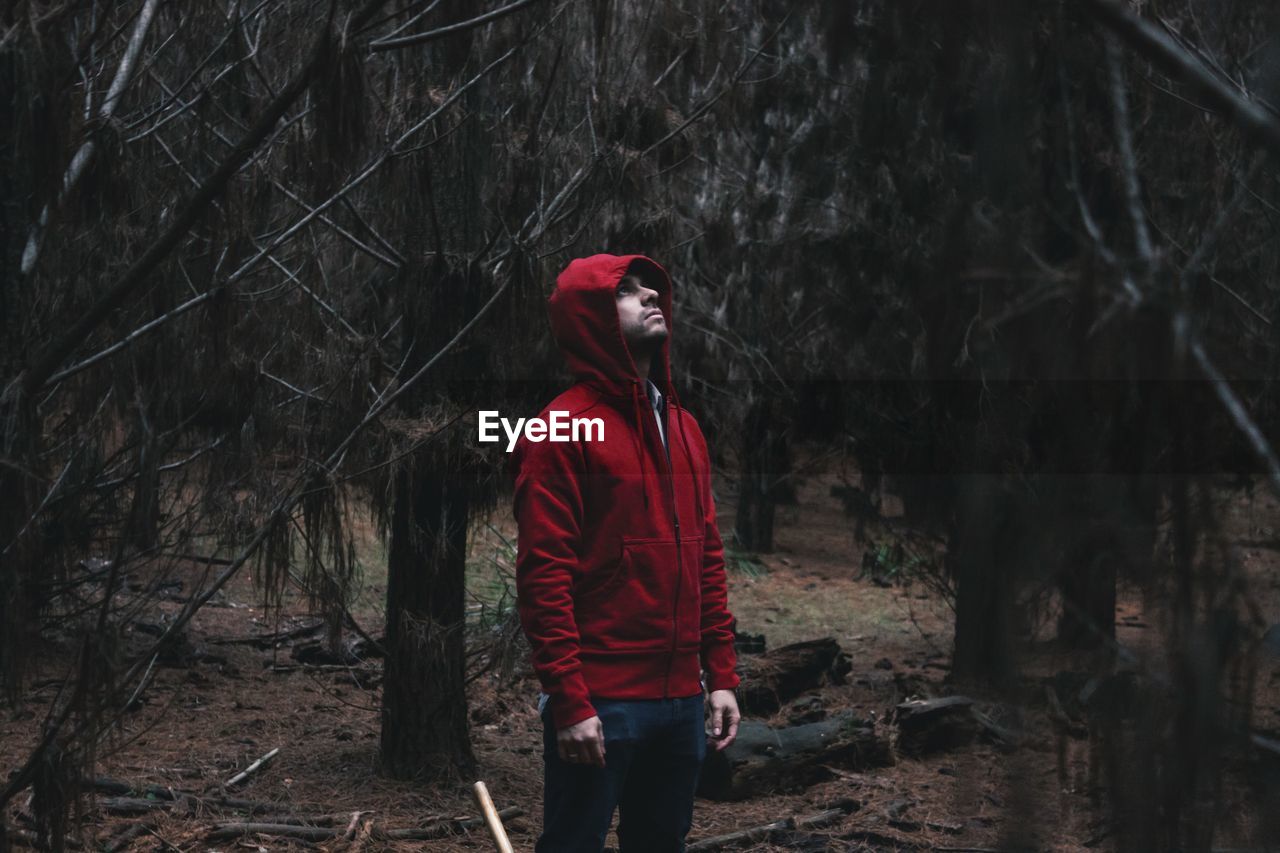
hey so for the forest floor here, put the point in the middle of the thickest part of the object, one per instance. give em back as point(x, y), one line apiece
point(201, 722)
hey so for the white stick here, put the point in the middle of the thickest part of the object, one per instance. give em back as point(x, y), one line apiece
point(252, 768)
point(491, 818)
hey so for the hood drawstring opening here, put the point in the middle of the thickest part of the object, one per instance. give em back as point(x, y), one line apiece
point(635, 401)
point(684, 442)
point(674, 404)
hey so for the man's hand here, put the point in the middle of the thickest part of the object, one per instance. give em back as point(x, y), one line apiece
point(724, 718)
point(583, 743)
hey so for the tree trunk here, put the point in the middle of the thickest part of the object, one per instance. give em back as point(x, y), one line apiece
point(144, 517)
point(981, 547)
point(762, 463)
point(19, 605)
point(424, 705)
point(1088, 586)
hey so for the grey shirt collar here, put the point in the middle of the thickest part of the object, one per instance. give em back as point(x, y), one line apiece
point(655, 396)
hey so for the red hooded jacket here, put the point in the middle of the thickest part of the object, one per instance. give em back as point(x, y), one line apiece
point(620, 568)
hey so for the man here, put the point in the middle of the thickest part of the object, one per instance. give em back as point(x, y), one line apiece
point(620, 575)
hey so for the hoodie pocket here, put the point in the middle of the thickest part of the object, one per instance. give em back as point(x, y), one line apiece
point(689, 615)
point(610, 576)
point(638, 606)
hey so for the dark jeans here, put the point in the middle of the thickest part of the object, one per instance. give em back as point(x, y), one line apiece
point(653, 752)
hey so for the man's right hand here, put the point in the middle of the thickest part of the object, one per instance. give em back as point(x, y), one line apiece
point(582, 743)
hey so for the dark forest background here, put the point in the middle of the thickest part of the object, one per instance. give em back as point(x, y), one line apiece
point(263, 260)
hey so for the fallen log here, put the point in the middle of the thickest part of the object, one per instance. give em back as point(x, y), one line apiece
point(162, 797)
point(253, 807)
point(266, 641)
point(324, 820)
point(449, 827)
point(754, 835)
point(883, 841)
point(122, 840)
point(132, 805)
point(1270, 746)
point(231, 831)
point(773, 831)
point(22, 838)
point(115, 786)
point(747, 644)
point(368, 674)
point(1005, 738)
point(766, 760)
point(828, 817)
point(773, 679)
point(319, 653)
point(933, 725)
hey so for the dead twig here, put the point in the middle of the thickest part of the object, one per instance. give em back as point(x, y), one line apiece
point(252, 768)
point(1253, 119)
point(451, 29)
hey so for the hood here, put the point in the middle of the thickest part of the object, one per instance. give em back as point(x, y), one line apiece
point(584, 320)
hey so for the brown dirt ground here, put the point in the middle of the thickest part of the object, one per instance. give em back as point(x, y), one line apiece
point(201, 723)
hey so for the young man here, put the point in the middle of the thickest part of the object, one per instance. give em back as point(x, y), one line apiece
point(620, 575)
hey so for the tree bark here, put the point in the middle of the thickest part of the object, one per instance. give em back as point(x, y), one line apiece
point(1088, 586)
point(762, 459)
point(980, 549)
point(424, 707)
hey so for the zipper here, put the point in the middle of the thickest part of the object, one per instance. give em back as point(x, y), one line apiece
point(675, 606)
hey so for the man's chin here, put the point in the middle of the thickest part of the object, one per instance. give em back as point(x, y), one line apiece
point(650, 343)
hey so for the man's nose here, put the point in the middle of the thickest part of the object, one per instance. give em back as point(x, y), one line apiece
point(650, 297)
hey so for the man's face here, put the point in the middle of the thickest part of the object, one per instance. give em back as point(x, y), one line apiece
point(643, 325)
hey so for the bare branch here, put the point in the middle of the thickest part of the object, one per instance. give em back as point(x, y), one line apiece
point(1235, 408)
point(72, 339)
point(183, 106)
point(409, 23)
point(195, 206)
point(128, 339)
point(394, 263)
point(1254, 120)
point(1128, 160)
point(47, 362)
point(451, 29)
point(84, 156)
point(1086, 215)
point(728, 87)
point(1210, 239)
point(364, 173)
point(328, 309)
point(168, 466)
point(1194, 264)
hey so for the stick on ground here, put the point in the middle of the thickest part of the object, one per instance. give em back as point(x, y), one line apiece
point(252, 768)
point(491, 818)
